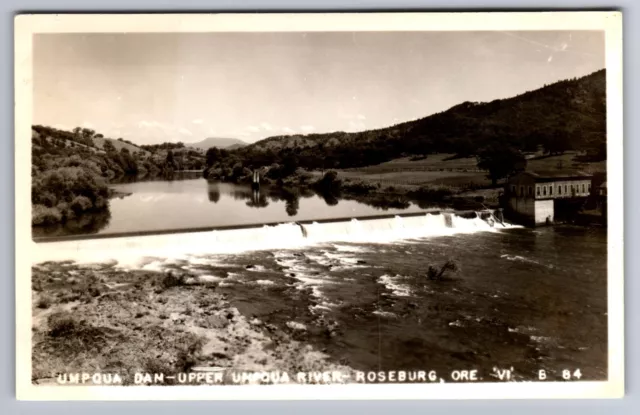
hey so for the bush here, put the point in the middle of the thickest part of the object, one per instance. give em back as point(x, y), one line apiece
point(329, 181)
point(62, 324)
point(81, 204)
point(432, 193)
point(171, 280)
point(434, 274)
point(42, 215)
point(72, 190)
point(358, 187)
point(43, 302)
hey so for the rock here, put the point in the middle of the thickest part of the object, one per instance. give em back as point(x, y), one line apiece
point(271, 327)
point(360, 261)
point(413, 305)
point(256, 322)
point(250, 266)
point(296, 326)
point(216, 322)
point(292, 274)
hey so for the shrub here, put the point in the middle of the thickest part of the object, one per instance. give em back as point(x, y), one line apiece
point(65, 183)
point(42, 215)
point(171, 280)
point(43, 302)
point(189, 346)
point(80, 204)
point(329, 181)
point(433, 193)
point(434, 274)
point(358, 187)
point(62, 324)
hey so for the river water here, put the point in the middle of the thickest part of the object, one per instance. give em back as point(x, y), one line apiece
point(196, 203)
point(530, 299)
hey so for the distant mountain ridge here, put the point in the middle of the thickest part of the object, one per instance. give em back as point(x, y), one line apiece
point(219, 142)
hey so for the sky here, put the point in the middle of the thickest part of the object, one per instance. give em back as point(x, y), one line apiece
point(155, 87)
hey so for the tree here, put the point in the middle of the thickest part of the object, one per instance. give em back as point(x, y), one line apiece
point(109, 147)
point(500, 161)
point(214, 155)
point(557, 143)
point(170, 161)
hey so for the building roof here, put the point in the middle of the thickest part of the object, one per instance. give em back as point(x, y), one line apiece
point(559, 174)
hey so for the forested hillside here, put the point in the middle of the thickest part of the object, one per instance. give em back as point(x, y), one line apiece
point(566, 115)
point(71, 170)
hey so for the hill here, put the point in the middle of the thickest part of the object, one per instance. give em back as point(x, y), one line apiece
point(566, 115)
point(118, 144)
point(219, 142)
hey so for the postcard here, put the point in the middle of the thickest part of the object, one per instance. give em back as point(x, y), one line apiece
point(319, 206)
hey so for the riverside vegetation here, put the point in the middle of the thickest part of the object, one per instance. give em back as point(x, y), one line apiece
point(483, 143)
point(457, 157)
point(71, 170)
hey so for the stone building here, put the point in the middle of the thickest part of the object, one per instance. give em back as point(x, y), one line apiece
point(535, 197)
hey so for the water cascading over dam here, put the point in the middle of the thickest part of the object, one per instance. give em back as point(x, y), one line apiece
point(127, 251)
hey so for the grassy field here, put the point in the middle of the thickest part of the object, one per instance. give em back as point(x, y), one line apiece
point(462, 173)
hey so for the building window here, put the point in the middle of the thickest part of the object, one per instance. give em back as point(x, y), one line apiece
point(559, 190)
point(538, 190)
point(589, 188)
point(530, 191)
point(550, 190)
point(521, 190)
point(544, 190)
point(513, 189)
point(583, 188)
point(565, 189)
point(573, 190)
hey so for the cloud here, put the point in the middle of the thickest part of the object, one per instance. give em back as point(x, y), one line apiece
point(87, 124)
point(307, 128)
point(151, 124)
point(253, 128)
point(550, 58)
point(198, 121)
point(361, 117)
point(288, 130)
point(184, 131)
point(266, 126)
point(356, 126)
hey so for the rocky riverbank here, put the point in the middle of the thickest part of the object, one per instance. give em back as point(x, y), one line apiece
point(95, 318)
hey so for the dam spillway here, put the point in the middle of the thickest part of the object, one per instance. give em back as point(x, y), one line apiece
point(127, 250)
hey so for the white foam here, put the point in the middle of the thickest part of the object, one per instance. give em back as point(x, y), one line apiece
point(385, 314)
point(393, 285)
point(256, 268)
point(209, 278)
point(129, 252)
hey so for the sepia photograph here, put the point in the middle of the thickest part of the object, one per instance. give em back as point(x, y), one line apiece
point(259, 202)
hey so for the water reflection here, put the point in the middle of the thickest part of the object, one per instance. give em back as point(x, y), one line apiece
point(261, 196)
point(258, 199)
point(87, 223)
point(182, 204)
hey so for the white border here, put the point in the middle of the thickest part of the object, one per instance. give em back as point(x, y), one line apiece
point(610, 22)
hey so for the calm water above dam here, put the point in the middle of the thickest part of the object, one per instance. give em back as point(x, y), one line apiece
point(196, 203)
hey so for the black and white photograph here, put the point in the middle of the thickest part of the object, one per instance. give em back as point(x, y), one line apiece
point(318, 205)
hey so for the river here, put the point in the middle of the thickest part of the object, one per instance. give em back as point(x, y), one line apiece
point(530, 299)
point(148, 206)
